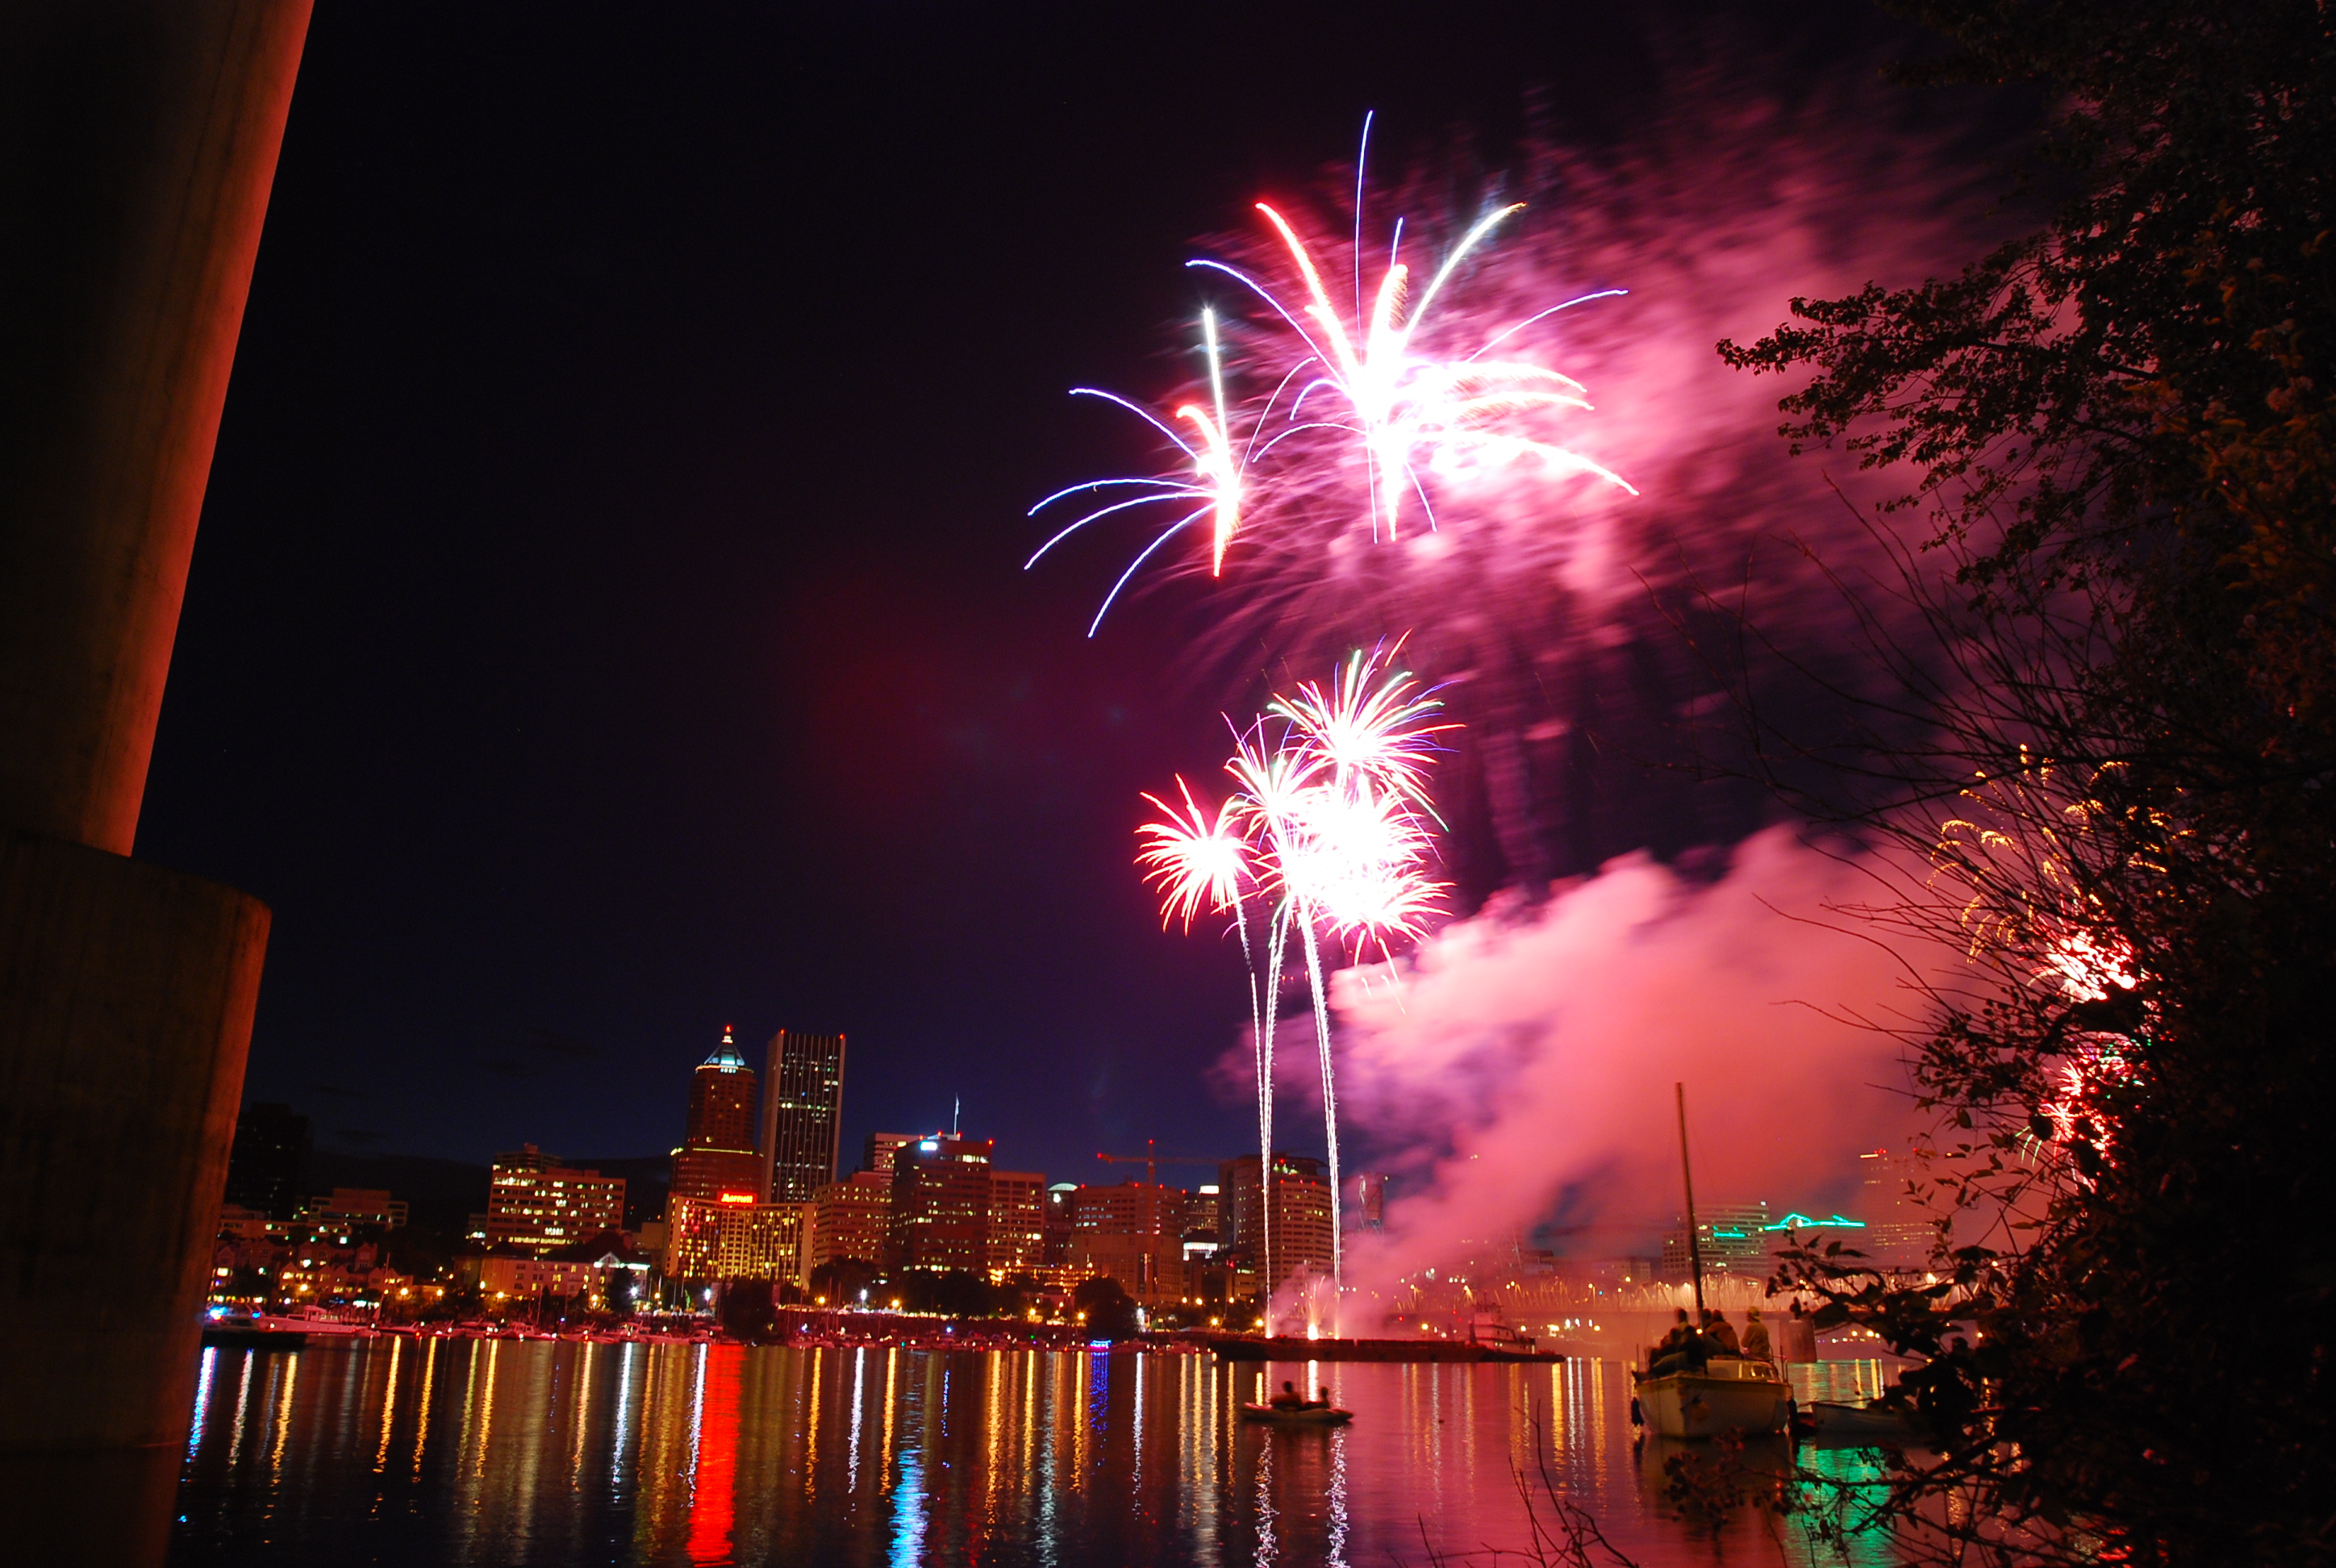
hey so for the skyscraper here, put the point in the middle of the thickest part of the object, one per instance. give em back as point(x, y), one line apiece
point(1731, 1238)
point(1018, 1206)
point(717, 1151)
point(803, 1114)
point(1900, 1232)
point(849, 1220)
point(265, 1164)
point(1301, 1214)
point(883, 1147)
point(1133, 1232)
point(940, 1204)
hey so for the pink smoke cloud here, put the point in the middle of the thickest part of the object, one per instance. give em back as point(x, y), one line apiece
point(1531, 1053)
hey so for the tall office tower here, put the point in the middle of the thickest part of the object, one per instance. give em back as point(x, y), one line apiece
point(940, 1204)
point(1054, 1225)
point(881, 1147)
point(1017, 1203)
point(1133, 1232)
point(717, 1158)
point(1731, 1238)
point(536, 1203)
point(1302, 1214)
point(803, 1114)
point(1899, 1231)
point(1203, 1214)
point(264, 1165)
point(849, 1220)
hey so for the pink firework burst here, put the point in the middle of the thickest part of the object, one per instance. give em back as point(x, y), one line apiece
point(1376, 413)
point(1193, 857)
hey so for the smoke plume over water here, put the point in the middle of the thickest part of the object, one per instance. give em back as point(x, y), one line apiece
point(1523, 1068)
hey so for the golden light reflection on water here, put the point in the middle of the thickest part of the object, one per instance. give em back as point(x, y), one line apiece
point(388, 1403)
point(556, 1453)
point(285, 1373)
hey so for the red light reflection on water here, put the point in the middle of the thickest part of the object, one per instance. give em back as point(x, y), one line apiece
point(713, 1500)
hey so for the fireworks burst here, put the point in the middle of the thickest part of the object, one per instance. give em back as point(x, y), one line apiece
point(1371, 412)
point(1193, 858)
point(1404, 413)
point(1324, 833)
point(2025, 860)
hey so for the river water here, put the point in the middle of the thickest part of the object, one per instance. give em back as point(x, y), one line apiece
point(494, 1452)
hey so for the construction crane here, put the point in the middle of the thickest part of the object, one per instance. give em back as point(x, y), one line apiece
point(1152, 1159)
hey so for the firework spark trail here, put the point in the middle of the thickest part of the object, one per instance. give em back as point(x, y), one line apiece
point(1216, 483)
point(1194, 859)
point(1323, 831)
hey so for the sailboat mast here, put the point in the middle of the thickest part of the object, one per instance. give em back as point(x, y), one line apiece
point(1686, 1173)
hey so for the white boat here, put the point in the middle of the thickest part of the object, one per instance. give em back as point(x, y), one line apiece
point(1728, 1394)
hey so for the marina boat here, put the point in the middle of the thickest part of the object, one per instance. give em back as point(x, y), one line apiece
point(1828, 1422)
point(1728, 1394)
point(1297, 1415)
point(241, 1329)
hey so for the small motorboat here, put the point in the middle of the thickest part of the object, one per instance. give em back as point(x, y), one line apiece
point(1829, 1422)
point(1297, 1415)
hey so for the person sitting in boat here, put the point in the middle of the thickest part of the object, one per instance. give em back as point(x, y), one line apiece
point(1756, 1336)
point(1321, 1404)
point(1682, 1350)
point(1670, 1343)
point(1289, 1398)
point(1721, 1333)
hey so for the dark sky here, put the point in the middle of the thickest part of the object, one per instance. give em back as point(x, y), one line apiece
point(607, 621)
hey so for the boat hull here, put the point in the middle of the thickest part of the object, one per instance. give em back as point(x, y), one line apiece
point(1685, 1405)
point(1834, 1423)
point(245, 1337)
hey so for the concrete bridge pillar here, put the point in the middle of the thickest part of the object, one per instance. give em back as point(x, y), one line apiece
point(137, 142)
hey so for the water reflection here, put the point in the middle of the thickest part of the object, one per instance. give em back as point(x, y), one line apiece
point(509, 1452)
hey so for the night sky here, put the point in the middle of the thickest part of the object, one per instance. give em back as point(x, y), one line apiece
point(607, 622)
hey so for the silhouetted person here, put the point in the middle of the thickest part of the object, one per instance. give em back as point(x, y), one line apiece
point(1722, 1335)
point(1289, 1398)
point(1670, 1344)
point(1682, 1350)
point(1756, 1336)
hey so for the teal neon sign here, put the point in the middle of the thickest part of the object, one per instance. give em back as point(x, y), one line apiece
point(1805, 1223)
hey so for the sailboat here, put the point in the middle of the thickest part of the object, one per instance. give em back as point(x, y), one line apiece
point(1729, 1394)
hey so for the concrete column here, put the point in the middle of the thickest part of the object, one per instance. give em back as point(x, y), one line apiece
point(126, 992)
point(138, 141)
